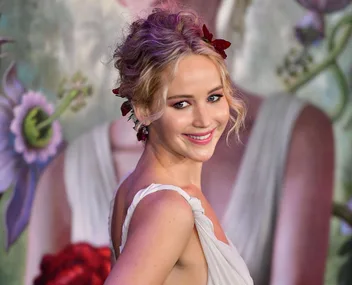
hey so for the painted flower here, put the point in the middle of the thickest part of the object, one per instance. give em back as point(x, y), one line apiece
point(311, 28)
point(24, 149)
point(2, 42)
point(324, 6)
point(41, 150)
point(345, 228)
point(76, 264)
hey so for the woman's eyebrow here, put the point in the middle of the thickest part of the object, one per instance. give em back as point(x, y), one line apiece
point(215, 89)
point(180, 96)
point(186, 96)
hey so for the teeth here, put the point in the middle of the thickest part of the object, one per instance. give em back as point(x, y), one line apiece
point(200, 137)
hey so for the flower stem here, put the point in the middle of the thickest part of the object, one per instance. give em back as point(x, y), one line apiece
point(338, 73)
point(66, 101)
point(343, 86)
point(330, 60)
point(342, 212)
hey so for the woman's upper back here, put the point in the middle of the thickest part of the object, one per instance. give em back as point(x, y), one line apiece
point(202, 250)
point(162, 226)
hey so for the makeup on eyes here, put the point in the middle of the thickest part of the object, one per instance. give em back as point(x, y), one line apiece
point(178, 103)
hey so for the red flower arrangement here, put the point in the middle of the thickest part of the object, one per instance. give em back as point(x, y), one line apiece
point(76, 264)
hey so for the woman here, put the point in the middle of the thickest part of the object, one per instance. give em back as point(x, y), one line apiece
point(71, 208)
point(163, 230)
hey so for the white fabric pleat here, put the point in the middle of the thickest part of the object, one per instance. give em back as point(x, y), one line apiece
point(90, 183)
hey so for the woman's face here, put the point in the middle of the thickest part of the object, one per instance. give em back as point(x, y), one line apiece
point(196, 111)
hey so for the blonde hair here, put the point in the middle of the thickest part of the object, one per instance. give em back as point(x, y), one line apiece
point(153, 48)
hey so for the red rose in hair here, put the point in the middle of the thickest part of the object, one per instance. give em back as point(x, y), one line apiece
point(219, 44)
point(76, 264)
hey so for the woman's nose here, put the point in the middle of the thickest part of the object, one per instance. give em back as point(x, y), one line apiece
point(201, 117)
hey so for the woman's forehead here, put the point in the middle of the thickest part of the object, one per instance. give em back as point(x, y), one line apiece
point(195, 72)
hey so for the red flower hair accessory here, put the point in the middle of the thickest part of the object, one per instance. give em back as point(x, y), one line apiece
point(76, 264)
point(126, 107)
point(219, 44)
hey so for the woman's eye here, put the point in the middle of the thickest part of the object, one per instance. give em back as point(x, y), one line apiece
point(215, 97)
point(180, 105)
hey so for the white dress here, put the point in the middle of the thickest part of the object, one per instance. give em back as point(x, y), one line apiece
point(225, 265)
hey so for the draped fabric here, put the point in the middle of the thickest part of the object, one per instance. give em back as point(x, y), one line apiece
point(225, 265)
point(250, 217)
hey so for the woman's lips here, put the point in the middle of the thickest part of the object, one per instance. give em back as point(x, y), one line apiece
point(200, 138)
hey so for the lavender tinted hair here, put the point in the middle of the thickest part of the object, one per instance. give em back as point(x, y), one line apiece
point(153, 48)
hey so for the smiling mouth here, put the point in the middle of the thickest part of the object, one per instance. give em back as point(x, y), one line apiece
point(200, 138)
point(203, 138)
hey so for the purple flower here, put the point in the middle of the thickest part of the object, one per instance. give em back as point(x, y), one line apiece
point(4, 41)
point(31, 100)
point(20, 162)
point(346, 228)
point(311, 28)
point(324, 6)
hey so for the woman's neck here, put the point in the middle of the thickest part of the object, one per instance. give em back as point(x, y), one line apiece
point(171, 168)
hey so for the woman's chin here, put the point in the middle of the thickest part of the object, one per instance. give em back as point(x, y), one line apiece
point(202, 157)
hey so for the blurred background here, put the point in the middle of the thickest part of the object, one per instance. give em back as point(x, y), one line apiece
point(57, 47)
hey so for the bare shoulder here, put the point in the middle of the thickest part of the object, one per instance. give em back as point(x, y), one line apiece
point(160, 230)
point(164, 207)
point(52, 178)
point(51, 189)
point(50, 221)
point(310, 162)
point(311, 126)
point(311, 152)
point(302, 233)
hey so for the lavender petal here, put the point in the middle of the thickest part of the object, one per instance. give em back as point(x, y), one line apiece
point(5, 118)
point(8, 169)
point(346, 229)
point(324, 6)
point(19, 207)
point(4, 142)
point(5, 41)
point(310, 29)
point(2, 42)
point(12, 86)
point(5, 104)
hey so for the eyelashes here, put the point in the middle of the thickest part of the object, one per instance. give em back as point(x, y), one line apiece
point(183, 104)
point(216, 97)
point(180, 105)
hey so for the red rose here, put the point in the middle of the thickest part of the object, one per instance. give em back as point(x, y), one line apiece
point(126, 107)
point(76, 264)
point(219, 44)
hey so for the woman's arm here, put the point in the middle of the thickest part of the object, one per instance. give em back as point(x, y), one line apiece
point(302, 236)
point(160, 229)
point(50, 222)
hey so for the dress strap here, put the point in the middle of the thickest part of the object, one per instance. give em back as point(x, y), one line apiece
point(193, 202)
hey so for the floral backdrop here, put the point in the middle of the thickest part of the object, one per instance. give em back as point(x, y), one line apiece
point(55, 61)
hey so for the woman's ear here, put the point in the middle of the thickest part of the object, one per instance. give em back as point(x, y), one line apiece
point(142, 114)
